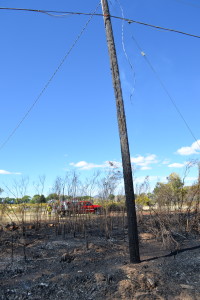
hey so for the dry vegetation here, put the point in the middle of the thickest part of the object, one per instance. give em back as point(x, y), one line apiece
point(86, 256)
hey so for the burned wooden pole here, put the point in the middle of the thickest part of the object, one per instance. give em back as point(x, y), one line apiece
point(126, 162)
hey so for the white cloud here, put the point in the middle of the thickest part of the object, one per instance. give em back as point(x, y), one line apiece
point(4, 172)
point(113, 164)
point(189, 179)
point(141, 161)
point(176, 165)
point(145, 168)
point(193, 149)
point(83, 165)
point(80, 164)
point(141, 179)
point(165, 162)
point(144, 162)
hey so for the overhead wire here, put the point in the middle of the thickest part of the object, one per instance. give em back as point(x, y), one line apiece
point(125, 52)
point(49, 81)
point(63, 14)
point(58, 16)
point(155, 73)
point(130, 21)
point(164, 88)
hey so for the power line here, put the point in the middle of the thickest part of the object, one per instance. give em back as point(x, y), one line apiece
point(165, 89)
point(125, 52)
point(156, 74)
point(67, 13)
point(49, 81)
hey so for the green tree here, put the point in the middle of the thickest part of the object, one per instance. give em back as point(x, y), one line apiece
point(26, 199)
point(163, 194)
point(143, 199)
point(170, 193)
point(42, 199)
point(177, 186)
point(175, 181)
point(8, 200)
point(111, 197)
point(35, 199)
point(38, 199)
point(82, 198)
point(52, 196)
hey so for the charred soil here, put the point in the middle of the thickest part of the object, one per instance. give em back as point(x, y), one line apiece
point(47, 262)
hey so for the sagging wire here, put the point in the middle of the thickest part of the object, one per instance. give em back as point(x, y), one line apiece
point(49, 81)
point(164, 88)
point(125, 52)
point(130, 21)
point(58, 16)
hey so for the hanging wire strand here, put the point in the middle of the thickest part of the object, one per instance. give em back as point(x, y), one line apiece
point(49, 81)
point(165, 89)
point(125, 53)
point(130, 21)
point(58, 16)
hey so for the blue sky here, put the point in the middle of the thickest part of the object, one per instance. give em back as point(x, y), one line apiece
point(74, 124)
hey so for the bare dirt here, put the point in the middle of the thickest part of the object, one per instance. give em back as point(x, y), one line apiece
point(48, 263)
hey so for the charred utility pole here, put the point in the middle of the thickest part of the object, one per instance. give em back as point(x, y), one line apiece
point(126, 162)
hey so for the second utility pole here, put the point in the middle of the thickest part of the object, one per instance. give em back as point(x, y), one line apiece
point(126, 162)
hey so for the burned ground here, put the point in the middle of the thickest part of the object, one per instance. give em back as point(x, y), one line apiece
point(48, 261)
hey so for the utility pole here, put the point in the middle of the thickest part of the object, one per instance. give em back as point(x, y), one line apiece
point(126, 162)
point(198, 193)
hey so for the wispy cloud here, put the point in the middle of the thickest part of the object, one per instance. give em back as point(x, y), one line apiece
point(151, 179)
point(177, 165)
point(144, 162)
point(141, 179)
point(166, 162)
point(83, 165)
point(189, 150)
point(189, 179)
point(4, 172)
